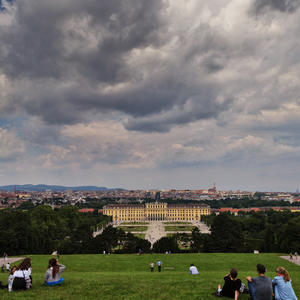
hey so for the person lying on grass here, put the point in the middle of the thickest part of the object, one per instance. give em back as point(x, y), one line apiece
point(53, 274)
point(232, 285)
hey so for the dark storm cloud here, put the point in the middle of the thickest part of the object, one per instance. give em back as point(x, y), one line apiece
point(36, 41)
point(197, 108)
point(280, 5)
point(40, 134)
point(63, 56)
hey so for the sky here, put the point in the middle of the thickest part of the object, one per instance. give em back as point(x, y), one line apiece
point(151, 94)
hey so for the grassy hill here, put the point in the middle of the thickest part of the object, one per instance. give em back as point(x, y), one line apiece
point(129, 277)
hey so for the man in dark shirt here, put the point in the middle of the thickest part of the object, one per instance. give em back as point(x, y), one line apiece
point(260, 287)
point(232, 285)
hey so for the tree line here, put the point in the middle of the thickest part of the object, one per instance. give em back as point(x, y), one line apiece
point(43, 230)
point(269, 231)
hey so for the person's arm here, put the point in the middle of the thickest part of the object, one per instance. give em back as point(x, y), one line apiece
point(61, 268)
point(46, 277)
point(249, 278)
point(236, 295)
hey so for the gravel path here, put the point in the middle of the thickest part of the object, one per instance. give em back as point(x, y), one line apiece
point(156, 229)
point(294, 260)
point(11, 261)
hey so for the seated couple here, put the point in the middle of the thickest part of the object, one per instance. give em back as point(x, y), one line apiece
point(231, 287)
point(262, 287)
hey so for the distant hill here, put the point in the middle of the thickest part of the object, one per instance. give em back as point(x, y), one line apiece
point(53, 188)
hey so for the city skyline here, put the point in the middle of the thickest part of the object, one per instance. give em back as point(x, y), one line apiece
point(150, 95)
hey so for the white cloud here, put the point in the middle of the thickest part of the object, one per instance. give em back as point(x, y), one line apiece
point(11, 147)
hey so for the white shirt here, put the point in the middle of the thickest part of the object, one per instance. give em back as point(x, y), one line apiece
point(193, 270)
point(22, 273)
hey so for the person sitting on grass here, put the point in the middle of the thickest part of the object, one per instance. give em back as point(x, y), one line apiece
point(22, 275)
point(193, 270)
point(282, 285)
point(11, 278)
point(231, 286)
point(260, 287)
point(52, 275)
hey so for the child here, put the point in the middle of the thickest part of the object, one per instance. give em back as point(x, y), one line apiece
point(2, 269)
point(11, 278)
point(151, 266)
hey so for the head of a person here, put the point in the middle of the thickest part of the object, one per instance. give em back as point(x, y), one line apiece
point(13, 269)
point(283, 272)
point(25, 264)
point(261, 268)
point(53, 265)
point(192, 265)
point(52, 262)
point(233, 273)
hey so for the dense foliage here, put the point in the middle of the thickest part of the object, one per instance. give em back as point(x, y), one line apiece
point(42, 229)
point(269, 231)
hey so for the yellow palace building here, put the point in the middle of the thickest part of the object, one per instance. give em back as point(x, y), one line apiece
point(156, 211)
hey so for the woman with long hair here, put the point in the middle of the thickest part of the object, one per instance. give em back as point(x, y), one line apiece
point(53, 273)
point(22, 275)
point(282, 285)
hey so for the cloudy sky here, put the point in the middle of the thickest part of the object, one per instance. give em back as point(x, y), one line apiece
point(151, 94)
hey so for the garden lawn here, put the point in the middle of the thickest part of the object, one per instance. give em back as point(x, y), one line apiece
point(122, 276)
point(140, 235)
point(174, 223)
point(179, 228)
point(133, 223)
point(133, 228)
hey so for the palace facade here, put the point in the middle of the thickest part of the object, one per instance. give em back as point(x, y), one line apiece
point(156, 211)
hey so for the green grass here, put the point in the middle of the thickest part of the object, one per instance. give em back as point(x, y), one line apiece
point(179, 228)
point(140, 235)
point(173, 223)
point(133, 223)
point(133, 228)
point(112, 277)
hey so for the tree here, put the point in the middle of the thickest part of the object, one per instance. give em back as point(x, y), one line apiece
point(166, 244)
point(288, 237)
point(196, 241)
point(26, 205)
point(226, 234)
point(184, 240)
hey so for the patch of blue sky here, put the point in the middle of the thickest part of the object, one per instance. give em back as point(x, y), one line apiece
point(2, 8)
point(4, 123)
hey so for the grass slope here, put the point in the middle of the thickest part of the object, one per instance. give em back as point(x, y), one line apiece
point(129, 277)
